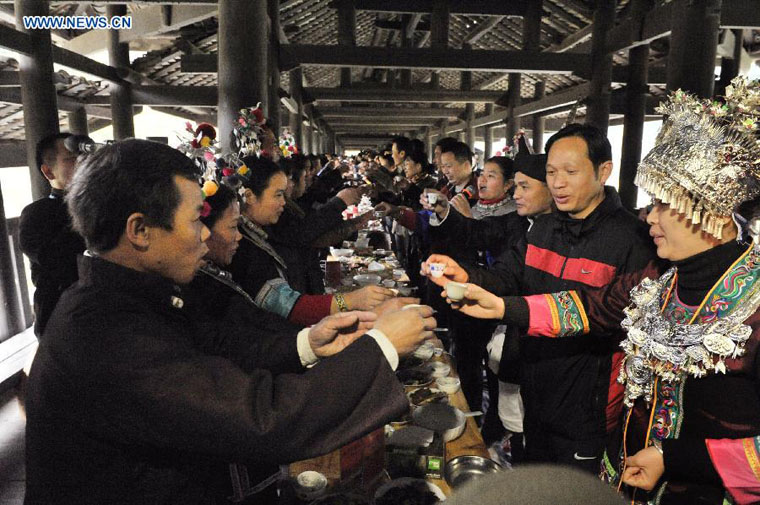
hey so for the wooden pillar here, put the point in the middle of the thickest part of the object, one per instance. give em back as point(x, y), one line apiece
point(513, 101)
point(243, 56)
point(346, 34)
point(121, 93)
point(488, 135)
point(296, 91)
point(538, 120)
point(439, 36)
point(469, 110)
point(598, 110)
point(636, 92)
point(273, 99)
point(729, 67)
point(693, 46)
point(308, 136)
point(77, 120)
point(12, 315)
point(38, 98)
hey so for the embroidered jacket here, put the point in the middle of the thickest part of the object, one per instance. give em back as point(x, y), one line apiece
point(709, 426)
point(262, 273)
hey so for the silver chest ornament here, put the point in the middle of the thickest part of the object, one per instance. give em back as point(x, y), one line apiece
point(656, 347)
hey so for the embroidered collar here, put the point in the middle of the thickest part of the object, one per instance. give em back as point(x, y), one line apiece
point(253, 233)
point(658, 346)
point(220, 275)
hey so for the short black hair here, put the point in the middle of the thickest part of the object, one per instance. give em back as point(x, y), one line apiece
point(260, 171)
point(597, 144)
point(418, 146)
point(402, 144)
point(446, 142)
point(123, 178)
point(506, 165)
point(293, 168)
point(219, 203)
point(47, 147)
point(388, 158)
point(421, 158)
point(461, 151)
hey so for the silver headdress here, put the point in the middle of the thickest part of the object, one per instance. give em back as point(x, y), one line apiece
point(706, 159)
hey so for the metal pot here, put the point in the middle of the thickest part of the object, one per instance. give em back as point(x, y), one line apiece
point(466, 468)
point(444, 419)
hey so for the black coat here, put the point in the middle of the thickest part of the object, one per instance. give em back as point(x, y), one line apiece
point(565, 381)
point(124, 405)
point(46, 237)
point(294, 235)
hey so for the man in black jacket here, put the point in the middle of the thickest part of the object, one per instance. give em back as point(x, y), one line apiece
point(45, 233)
point(566, 382)
point(127, 404)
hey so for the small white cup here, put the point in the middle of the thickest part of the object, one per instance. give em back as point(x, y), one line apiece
point(432, 198)
point(436, 269)
point(455, 290)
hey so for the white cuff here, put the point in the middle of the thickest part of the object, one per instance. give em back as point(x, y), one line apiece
point(436, 221)
point(305, 352)
point(385, 345)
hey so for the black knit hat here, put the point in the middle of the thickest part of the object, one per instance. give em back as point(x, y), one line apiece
point(532, 165)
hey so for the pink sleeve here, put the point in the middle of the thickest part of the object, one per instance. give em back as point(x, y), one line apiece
point(738, 464)
point(556, 315)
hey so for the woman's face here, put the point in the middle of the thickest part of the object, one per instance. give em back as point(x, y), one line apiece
point(225, 236)
point(299, 186)
point(411, 169)
point(678, 238)
point(266, 209)
point(491, 183)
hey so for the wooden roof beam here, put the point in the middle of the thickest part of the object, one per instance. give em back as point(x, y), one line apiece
point(465, 7)
point(396, 112)
point(439, 59)
point(388, 95)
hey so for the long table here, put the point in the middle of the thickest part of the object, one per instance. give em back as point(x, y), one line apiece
point(469, 443)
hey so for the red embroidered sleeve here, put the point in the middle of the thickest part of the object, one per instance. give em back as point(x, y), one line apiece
point(310, 309)
point(738, 464)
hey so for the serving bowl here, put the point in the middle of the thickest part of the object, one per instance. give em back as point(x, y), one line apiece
point(367, 279)
point(466, 468)
point(448, 385)
point(341, 253)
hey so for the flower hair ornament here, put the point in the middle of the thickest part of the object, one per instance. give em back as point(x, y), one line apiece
point(200, 145)
point(706, 158)
point(288, 144)
point(249, 130)
point(518, 144)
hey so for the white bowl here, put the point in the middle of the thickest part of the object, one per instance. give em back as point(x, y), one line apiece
point(375, 267)
point(341, 253)
point(440, 369)
point(448, 385)
point(310, 484)
point(388, 283)
point(398, 273)
point(425, 351)
point(367, 279)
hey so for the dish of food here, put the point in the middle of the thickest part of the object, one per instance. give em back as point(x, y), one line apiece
point(427, 395)
point(417, 376)
point(408, 491)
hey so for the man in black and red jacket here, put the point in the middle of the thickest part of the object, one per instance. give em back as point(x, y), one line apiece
point(570, 405)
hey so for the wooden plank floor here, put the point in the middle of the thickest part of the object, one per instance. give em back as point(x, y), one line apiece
point(12, 427)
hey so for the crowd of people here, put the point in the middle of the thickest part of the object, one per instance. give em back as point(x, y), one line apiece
point(188, 345)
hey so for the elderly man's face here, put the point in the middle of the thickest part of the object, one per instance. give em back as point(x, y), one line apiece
point(178, 253)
